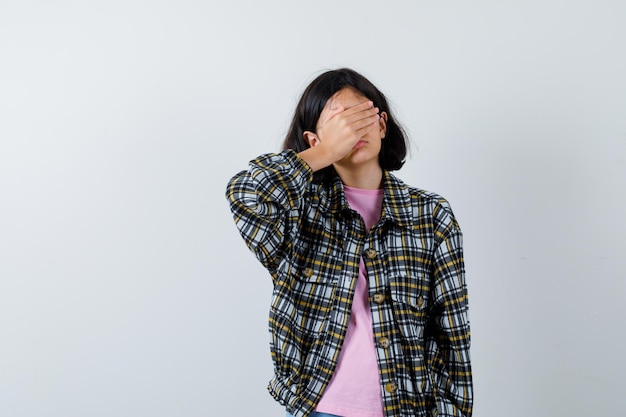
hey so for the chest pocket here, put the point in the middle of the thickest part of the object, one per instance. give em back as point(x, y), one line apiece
point(410, 301)
point(308, 288)
point(409, 281)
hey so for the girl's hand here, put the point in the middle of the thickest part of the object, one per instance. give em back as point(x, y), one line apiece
point(340, 129)
point(337, 132)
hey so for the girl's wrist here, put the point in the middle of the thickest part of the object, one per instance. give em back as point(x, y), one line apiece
point(316, 157)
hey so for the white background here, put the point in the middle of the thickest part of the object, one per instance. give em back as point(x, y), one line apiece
point(125, 289)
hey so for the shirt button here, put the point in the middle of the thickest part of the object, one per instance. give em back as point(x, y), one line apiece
point(384, 342)
point(391, 387)
point(370, 253)
point(308, 272)
point(420, 301)
point(379, 298)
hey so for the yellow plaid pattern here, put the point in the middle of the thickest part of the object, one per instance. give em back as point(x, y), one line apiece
point(311, 242)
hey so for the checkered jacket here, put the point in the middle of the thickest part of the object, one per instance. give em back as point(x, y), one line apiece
point(311, 243)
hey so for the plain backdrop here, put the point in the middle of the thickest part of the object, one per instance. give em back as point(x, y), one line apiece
point(125, 289)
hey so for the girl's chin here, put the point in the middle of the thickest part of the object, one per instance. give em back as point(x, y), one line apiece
point(356, 159)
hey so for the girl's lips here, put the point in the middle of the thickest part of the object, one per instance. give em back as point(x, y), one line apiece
point(359, 144)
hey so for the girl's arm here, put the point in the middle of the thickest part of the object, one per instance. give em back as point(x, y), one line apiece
point(264, 201)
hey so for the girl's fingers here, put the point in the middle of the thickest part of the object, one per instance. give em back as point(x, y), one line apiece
point(333, 113)
point(352, 114)
point(361, 107)
point(363, 114)
point(366, 121)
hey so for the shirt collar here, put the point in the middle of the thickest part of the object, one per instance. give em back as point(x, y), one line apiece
point(397, 206)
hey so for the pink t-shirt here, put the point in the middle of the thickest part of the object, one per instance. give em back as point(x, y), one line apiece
point(354, 390)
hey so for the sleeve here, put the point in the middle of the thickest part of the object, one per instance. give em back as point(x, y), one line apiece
point(261, 200)
point(448, 332)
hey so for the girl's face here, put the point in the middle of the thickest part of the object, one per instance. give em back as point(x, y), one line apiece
point(365, 152)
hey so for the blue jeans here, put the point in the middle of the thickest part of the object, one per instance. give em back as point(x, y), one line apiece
point(316, 414)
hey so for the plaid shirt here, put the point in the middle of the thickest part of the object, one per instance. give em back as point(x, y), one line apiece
point(311, 242)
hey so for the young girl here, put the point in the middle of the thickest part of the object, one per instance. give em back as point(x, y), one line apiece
point(369, 309)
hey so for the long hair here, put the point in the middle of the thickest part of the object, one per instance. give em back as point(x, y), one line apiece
point(393, 148)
